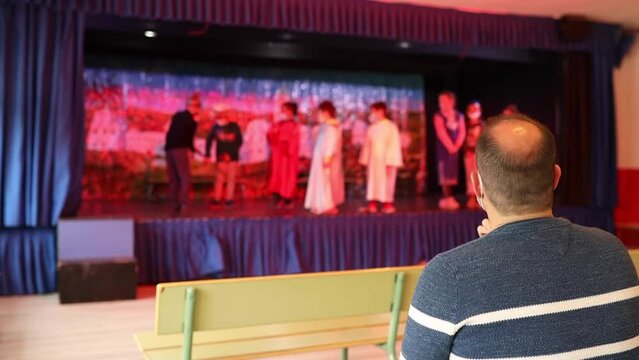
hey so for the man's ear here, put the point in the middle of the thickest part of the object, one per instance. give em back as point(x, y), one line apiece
point(557, 175)
point(474, 179)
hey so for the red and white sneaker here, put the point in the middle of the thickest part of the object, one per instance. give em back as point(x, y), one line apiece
point(448, 203)
point(388, 208)
point(454, 204)
point(333, 211)
point(442, 203)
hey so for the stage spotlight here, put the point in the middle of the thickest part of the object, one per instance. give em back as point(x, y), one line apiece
point(404, 44)
point(150, 34)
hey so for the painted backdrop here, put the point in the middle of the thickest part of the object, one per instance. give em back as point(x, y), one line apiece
point(128, 112)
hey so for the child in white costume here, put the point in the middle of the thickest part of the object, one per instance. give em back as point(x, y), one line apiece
point(382, 155)
point(326, 180)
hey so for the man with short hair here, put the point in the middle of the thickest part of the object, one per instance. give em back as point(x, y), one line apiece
point(179, 142)
point(532, 286)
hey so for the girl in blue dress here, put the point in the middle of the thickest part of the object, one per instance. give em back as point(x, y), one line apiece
point(450, 127)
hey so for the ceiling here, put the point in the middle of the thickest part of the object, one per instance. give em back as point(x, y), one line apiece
point(624, 12)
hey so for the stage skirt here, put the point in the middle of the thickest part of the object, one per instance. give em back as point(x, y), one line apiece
point(184, 249)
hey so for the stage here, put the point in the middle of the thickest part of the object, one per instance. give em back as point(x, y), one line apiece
point(254, 238)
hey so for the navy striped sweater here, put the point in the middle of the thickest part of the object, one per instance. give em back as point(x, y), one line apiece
point(542, 289)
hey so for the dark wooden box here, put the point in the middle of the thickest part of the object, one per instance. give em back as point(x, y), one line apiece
point(97, 280)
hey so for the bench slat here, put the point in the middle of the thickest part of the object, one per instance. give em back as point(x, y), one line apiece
point(291, 344)
point(148, 341)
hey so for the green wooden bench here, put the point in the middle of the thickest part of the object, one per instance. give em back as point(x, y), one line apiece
point(276, 315)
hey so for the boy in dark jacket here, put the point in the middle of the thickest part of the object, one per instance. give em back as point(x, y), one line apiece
point(228, 140)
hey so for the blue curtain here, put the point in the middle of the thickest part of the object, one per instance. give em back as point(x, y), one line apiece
point(365, 18)
point(27, 261)
point(42, 137)
point(603, 151)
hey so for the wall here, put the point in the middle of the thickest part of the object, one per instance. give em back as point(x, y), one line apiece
point(626, 81)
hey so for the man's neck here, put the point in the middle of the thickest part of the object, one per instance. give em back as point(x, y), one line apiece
point(497, 220)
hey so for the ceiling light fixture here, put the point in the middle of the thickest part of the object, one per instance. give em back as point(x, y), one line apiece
point(150, 34)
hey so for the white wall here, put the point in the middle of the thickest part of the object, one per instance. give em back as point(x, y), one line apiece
point(626, 83)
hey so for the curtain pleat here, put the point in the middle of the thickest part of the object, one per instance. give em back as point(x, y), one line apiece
point(603, 146)
point(41, 117)
point(27, 261)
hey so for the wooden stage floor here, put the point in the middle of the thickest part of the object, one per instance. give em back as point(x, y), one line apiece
point(37, 327)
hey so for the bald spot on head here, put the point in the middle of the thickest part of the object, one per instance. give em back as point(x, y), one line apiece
point(520, 139)
point(516, 158)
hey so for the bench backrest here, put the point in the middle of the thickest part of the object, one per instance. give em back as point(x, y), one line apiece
point(245, 302)
point(411, 276)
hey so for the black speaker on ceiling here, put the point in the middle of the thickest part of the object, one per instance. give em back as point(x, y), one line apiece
point(574, 28)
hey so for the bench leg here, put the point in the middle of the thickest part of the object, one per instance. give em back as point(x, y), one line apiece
point(345, 354)
point(189, 309)
point(389, 350)
point(395, 311)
